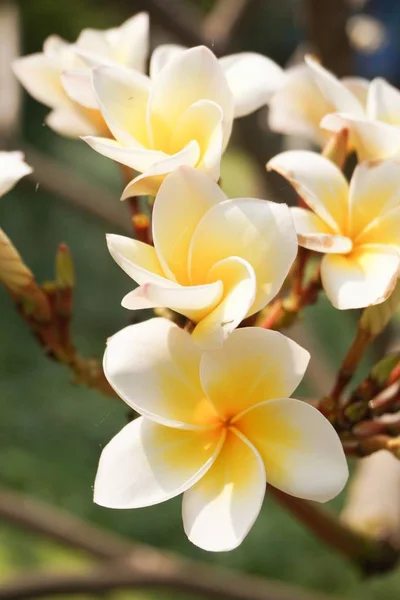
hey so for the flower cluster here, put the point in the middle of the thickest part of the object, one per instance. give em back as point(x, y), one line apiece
point(216, 421)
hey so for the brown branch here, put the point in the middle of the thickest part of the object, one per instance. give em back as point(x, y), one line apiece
point(326, 22)
point(131, 566)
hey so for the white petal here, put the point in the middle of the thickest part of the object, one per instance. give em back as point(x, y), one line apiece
point(337, 94)
point(374, 193)
point(383, 102)
point(182, 200)
point(162, 55)
point(122, 96)
point(219, 511)
point(78, 85)
point(239, 290)
point(189, 76)
point(203, 122)
point(131, 43)
point(253, 78)
point(137, 259)
point(149, 183)
point(93, 41)
point(253, 365)
point(371, 139)
point(12, 169)
point(302, 453)
point(250, 229)
point(318, 182)
point(359, 87)
point(365, 277)
point(154, 367)
point(307, 222)
point(71, 122)
point(314, 234)
point(192, 301)
point(138, 158)
point(298, 107)
point(40, 76)
point(146, 464)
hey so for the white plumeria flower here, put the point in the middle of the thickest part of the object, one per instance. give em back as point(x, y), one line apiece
point(252, 77)
point(310, 92)
point(214, 260)
point(356, 226)
point(183, 116)
point(376, 134)
point(60, 76)
point(216, 427)
point(12, 168)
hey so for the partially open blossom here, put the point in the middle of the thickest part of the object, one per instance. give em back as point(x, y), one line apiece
point(356, 226)
point(13, 272)
point(309, 92)
point(216, 427)
point(183, 116)
point(252, 77)
point(214, 260)
point(376, 133)
point(60, 76)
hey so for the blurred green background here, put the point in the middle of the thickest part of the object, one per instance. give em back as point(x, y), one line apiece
point(51, 432)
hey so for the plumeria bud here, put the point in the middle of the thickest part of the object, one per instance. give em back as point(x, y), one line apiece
point(215, 426)
point(356, 227)
point(372, 506)
point(14, 273)
point(65, 273)
point(216, 261)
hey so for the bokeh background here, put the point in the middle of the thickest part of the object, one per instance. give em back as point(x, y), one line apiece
point(51, 432)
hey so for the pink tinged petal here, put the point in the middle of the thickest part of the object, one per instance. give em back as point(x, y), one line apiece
point(335, 92)
point(12, 169)
point(122, 96)
point(252, 78)
point(40, 76)
point(71, 122)
point(149, 183)
point(371, 139)
point(162, 55)
point(359, 87)
point(239, 290)
point(374, 193)
point(253, 365)
point(146, 463)
point(383, 102)
point(250, 229)
point(298, 106)
point(363, 278)
point(302, 453)
point(219, 511)
point(78, 85)
point(182, 200)
point(203, 122)
point(189, 76)
point(137, 259)
point(195, 302)
point(131, 42)
point(318, 182)
point(138, 158)
point(154, 367)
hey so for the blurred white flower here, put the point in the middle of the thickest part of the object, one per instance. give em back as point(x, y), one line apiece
point(60, 76)
point(216, 427)
point(12, 168)
point(356, 226)
point(309, 92)
point(214, 260)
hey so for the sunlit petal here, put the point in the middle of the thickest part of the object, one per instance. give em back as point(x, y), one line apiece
point(302, 453)
point(40, 75)
point(383, 102)
point(220, 509)
point(253, 365)
point(146, 463)
point(137, 259)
